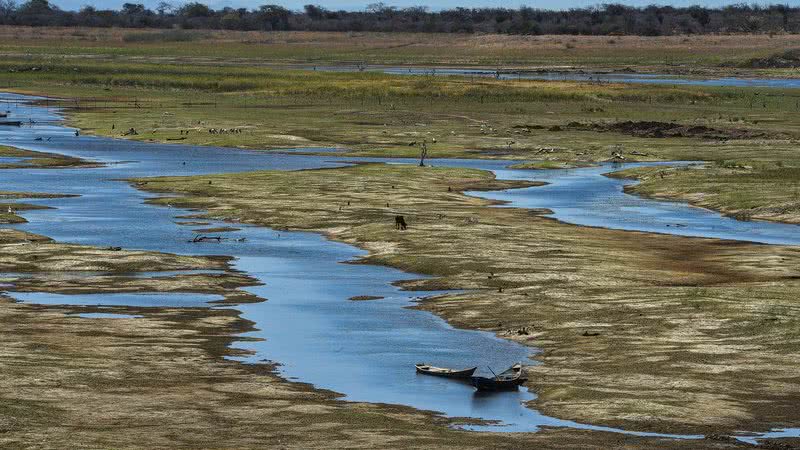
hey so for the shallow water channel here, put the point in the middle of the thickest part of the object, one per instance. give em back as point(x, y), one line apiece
point(557, 75)
point(308, 324)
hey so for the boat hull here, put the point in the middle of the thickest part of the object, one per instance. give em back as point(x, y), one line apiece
point(491, 384)
point(508, 380)
point(464, 374)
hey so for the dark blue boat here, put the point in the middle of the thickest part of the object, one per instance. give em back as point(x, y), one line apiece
point(509, 379)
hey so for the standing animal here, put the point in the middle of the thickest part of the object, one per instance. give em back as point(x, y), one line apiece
point(400, 223)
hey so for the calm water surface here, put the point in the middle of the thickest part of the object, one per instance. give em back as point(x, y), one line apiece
point(308, 325)
point(612, 77)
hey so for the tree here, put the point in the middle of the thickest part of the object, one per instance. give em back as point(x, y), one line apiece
point(164, 8)
point(195, 10)
point(132, 9)
point(700, 15)
point(36, 7)
point(603, 19)
point(232, 20)
point(274, 17)
point(7, 8)
point(315, 11)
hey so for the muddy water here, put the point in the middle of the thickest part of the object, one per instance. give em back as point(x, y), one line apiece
point(364, 350)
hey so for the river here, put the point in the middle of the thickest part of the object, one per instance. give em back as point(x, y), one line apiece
point(566, 75)
point(307, 324)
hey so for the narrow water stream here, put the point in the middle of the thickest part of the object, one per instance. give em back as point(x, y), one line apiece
point(307, 324)
point(563, 75)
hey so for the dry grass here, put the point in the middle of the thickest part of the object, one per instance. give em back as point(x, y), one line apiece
point(665, 53)
point(685, 335)
point(160, 381)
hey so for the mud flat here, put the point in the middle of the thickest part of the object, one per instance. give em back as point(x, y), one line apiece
point(444, 226)
point(107, 365)
point(642, 331)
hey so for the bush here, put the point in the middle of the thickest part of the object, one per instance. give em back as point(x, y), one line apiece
point(166, 36)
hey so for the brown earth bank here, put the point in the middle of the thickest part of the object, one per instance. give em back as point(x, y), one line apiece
point(637, 330)
point(162, 380)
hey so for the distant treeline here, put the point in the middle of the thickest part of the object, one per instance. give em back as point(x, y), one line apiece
point(607, 19)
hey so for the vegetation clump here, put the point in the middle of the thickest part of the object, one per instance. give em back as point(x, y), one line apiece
point(789, 59)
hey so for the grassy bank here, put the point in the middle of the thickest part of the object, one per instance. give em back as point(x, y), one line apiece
point(382, 115)
point(8, 211)
point(745, 190)
point(107, 374)
point(637, 330)
point(549, 124)
point(72, 381)
point(223, 89)
point(40, 160)
point(188, 93)
point(668, 53)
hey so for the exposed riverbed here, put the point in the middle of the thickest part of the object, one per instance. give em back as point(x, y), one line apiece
point(308, 325)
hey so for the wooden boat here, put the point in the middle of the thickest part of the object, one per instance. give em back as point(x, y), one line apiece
point(10, 123)
point(509, 379)
point(444, 372)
